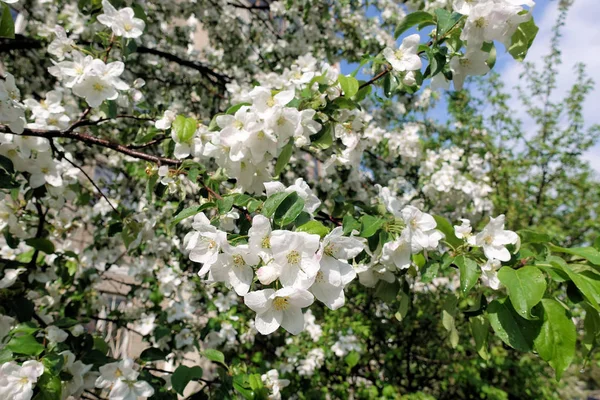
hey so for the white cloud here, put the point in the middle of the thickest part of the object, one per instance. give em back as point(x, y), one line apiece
point(580, 43)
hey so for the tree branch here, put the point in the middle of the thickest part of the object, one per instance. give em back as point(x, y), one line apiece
point(92, 140)
point(203, 69)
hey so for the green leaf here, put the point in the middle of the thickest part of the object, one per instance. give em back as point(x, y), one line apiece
point(445, 21)
point(225, 204)
point(480, 329)
point(315, 227)
point(522, 39)
point(387, 291)
point(369, 225)
point(25, 344)
point(490, 47)
point(589, 253)
point(7, 25)
point(138, 12)
point(448, 319)
point(183, 375)
point(403, 307)
point(469, 273)
point(26, 328)
point(587, 285)
point(350, 223)
point(184, 128)
point(190, 211)
point(273, 202)
point(53, 362)
point(214, 355)
point(5, 356)
point(444, 226)
point(352, 359)
point(349, 85)
point(7, 164)
point(153, 354)
point(529, 236)
point(591, 327)
point(322, 139)
point(418, 17)
point(41, 244)
point(513, 330)
point(556, 340)
point(526, 287)
point(289, 209)
point(50, 387)
point(429, 271)
point(284, 157)
point(233, 109)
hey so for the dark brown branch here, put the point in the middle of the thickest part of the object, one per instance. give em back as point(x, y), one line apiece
point(92, 140)
point(204, 70)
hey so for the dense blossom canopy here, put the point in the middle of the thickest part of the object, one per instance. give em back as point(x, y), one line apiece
point(217, 203)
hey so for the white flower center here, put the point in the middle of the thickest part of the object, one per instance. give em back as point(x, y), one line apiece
point(293, 257)
point(281, 303)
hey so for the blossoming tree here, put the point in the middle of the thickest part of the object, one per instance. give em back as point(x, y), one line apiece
point(232, 192)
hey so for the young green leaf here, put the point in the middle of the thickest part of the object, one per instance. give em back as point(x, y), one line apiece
point(214, 355)
point(370, 225)
point(183, 375)
point(41, 244)
point(349, 85)
point(7, 25)
point(513, 330)
point(284, 157)
point(469, 272)
point(289, 209)
point(522, 39)
point(418, 17)
point(555, 342)
point(526, 287)
point(315, 227)
point(480, 329)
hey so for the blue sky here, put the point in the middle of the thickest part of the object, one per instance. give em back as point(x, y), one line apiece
point(580, 43)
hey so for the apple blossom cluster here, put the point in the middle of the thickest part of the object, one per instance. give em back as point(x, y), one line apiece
point(487, 21)
point(301, 263)
point(121, 380)
point(12, 112)
point(17, 381)
point(249, 140)
point(34, 155)
point(493, 240)
point(88, 77)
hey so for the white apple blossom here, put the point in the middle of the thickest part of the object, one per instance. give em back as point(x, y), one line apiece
point(100, 82)
point(489, 274)
point(122, 22)
point(259, 237)
point(166, 121)
point(204, 242)
point(494, 238)
point(463, 231)
point(234, 266)
point(471, 64)
point(274, 384)
point(10, 277)
point(335, 271)
point(420, 229)
point(112, 372)
point(405, 58)
point(55, 334)
point(61, 45)
point(294, 259)
point(17, 381)
point(279, 308)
